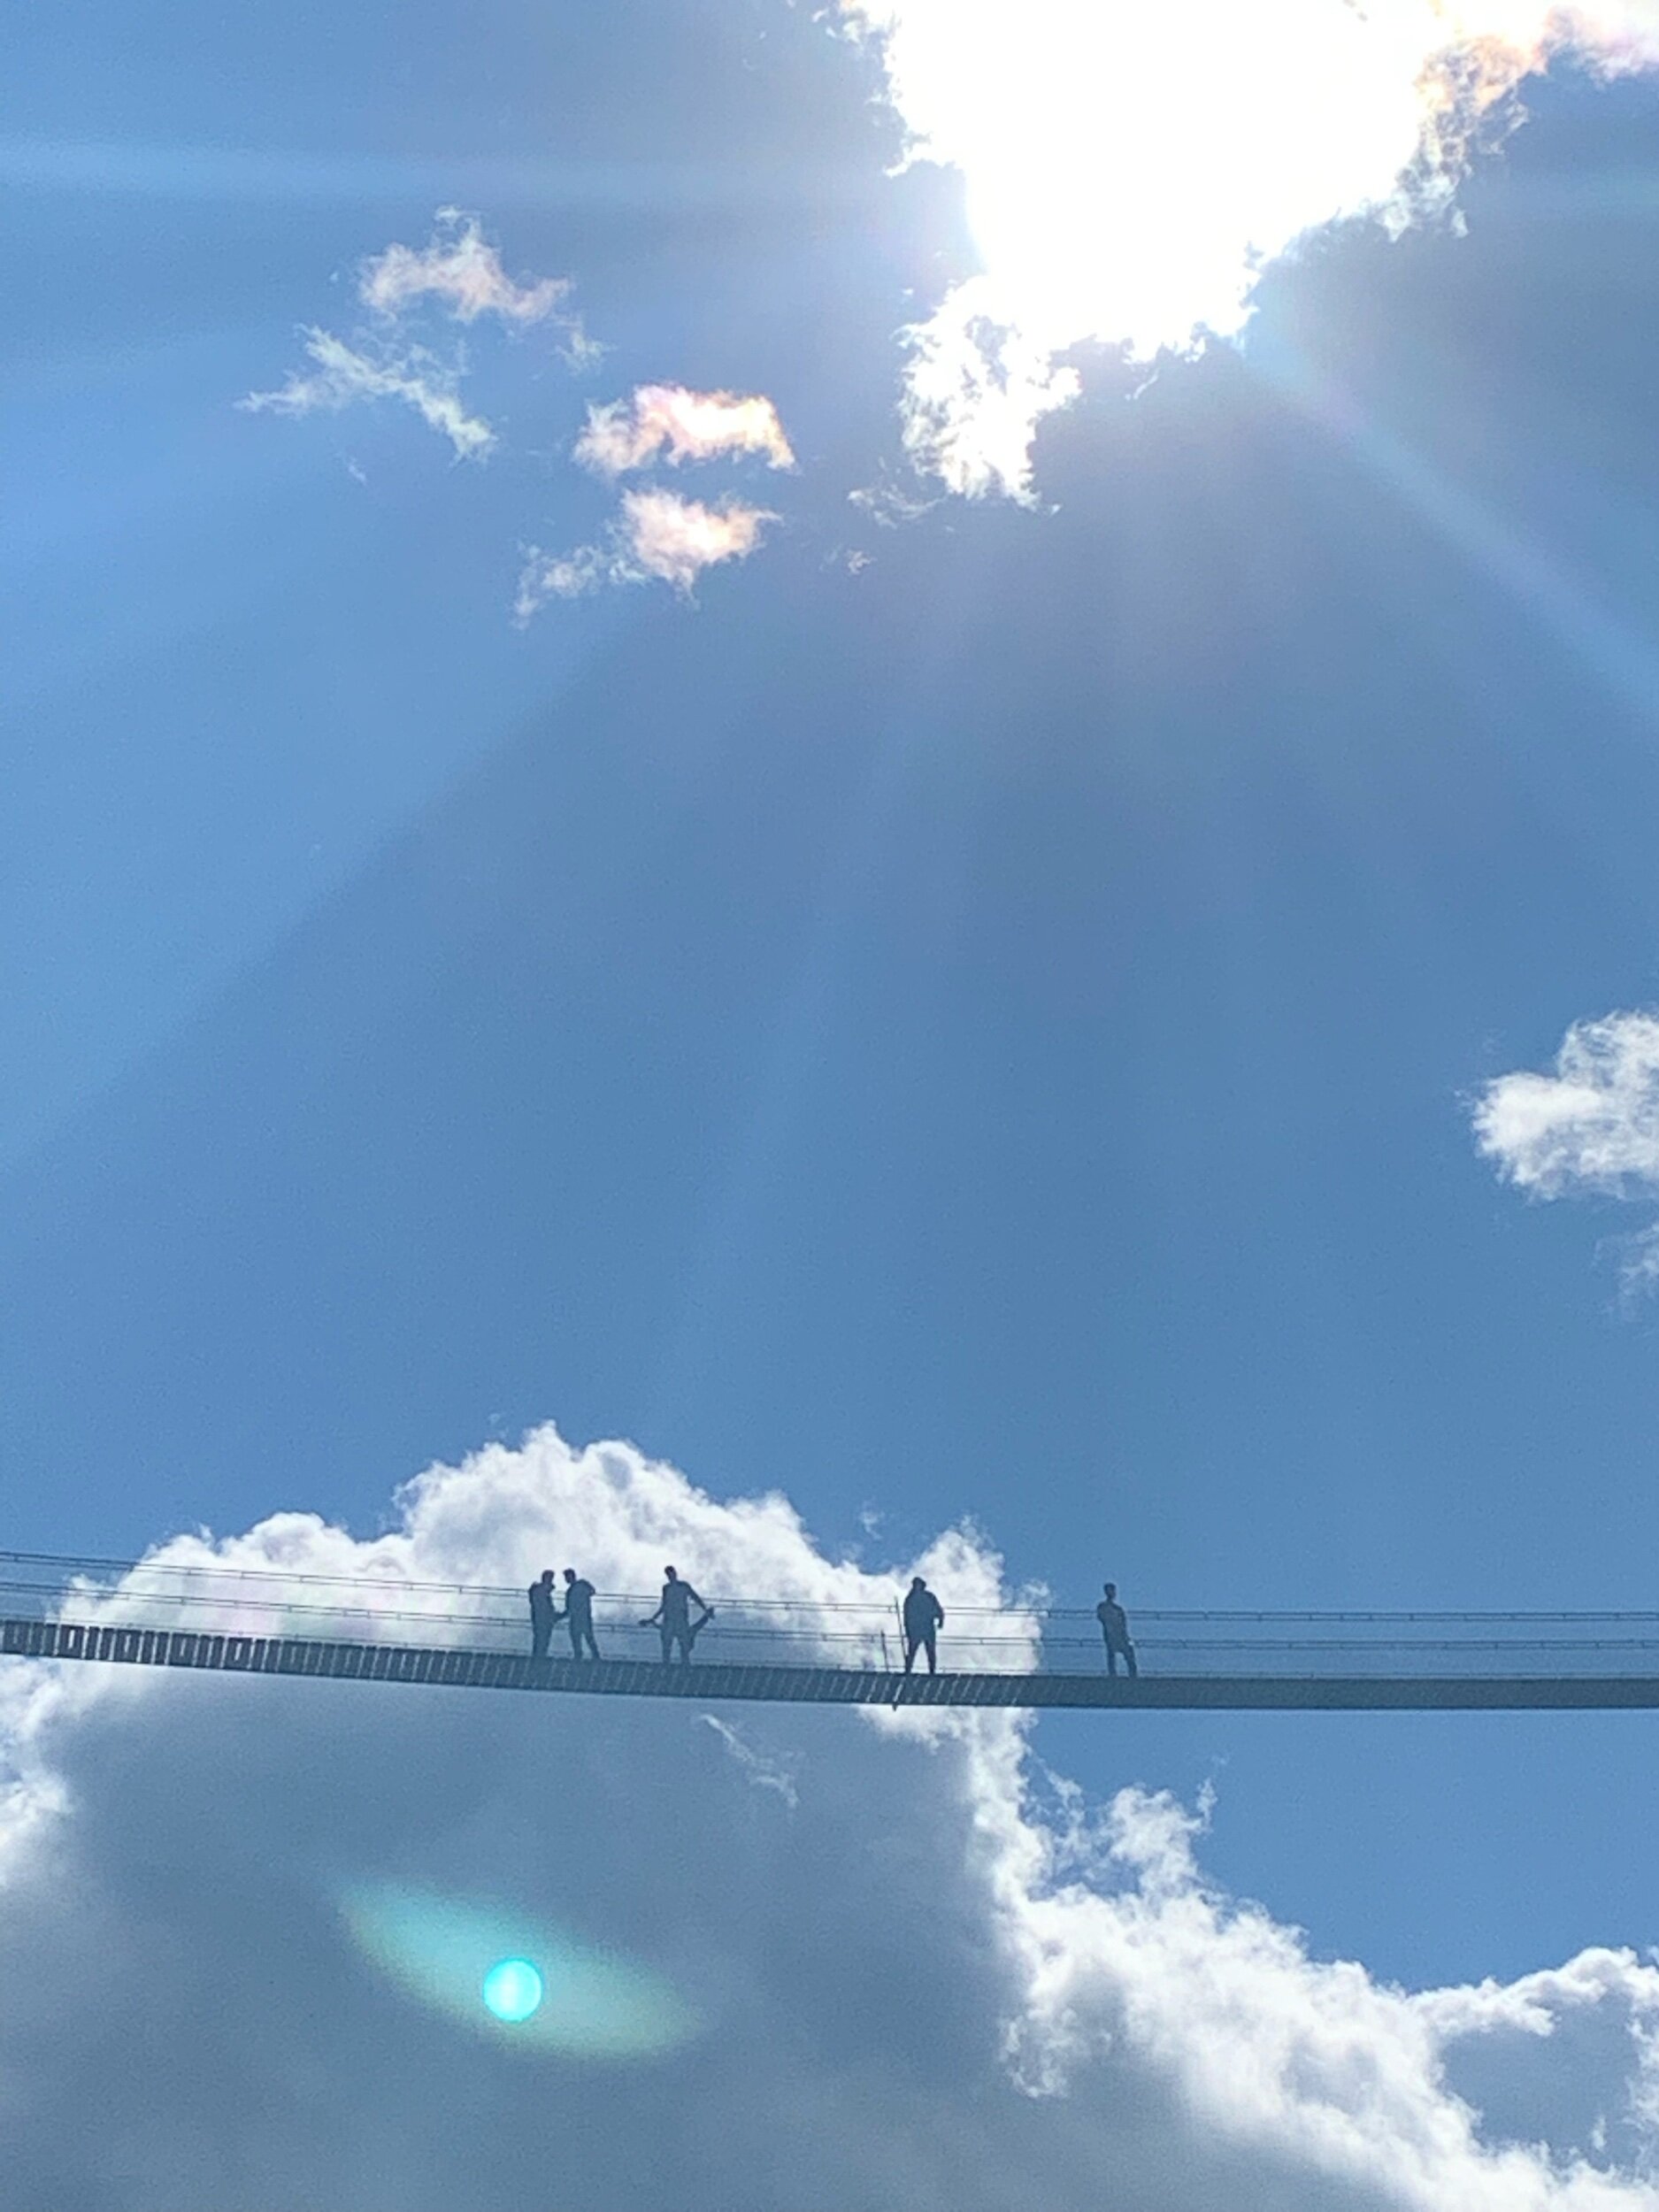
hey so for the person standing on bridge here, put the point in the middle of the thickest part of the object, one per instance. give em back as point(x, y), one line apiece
point(673, 1617)
point(543, 1612)
point(1114, 1626)
point(924, 1617)
point(579, 1614)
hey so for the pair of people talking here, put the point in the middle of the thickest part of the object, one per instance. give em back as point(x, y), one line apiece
point(578, 1616)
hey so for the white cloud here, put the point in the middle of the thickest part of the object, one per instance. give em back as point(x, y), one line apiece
point(341, 375)
point(1638, 1259)
point(668, 422)
point(656, 536)
point(765, 1770)
point(1591, 1129)
point(1130, 169)
point(233, 1912)
point(463, 274)
point(544, 576)
point(674, 540)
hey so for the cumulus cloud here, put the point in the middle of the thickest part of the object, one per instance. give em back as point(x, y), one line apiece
point(656, 536)
point(668, 422)
point(1131, 171)
point(340, 375)
point(233, 1912)
point(1591, 1128)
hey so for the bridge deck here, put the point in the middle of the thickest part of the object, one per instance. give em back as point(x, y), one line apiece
point(763, 1682)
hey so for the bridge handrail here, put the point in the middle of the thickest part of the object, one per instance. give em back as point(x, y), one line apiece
point(65, 1571)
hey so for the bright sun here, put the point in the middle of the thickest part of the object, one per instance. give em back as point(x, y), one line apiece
point(1131, 166)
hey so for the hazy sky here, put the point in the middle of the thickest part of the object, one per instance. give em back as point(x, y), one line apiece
point(911, 755)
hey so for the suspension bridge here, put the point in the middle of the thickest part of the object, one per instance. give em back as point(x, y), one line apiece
point(205, 1615)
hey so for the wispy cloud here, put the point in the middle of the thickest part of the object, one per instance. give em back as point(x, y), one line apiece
point(674, 540)
point(656, 536)
point(462, 274)
point(459, 277)
point(1589, 1129)
point(1591, 1126)
point(765, 1770)
point(668, 422)
point(341, 374)
point(1131, 171)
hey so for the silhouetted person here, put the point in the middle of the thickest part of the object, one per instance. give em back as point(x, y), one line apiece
point(1114, 1626)
point(924, 1617)
point(544, 1613)
point(579, 1614)
point(673, 1617)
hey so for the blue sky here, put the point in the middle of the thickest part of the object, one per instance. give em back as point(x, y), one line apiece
point(987, 1029)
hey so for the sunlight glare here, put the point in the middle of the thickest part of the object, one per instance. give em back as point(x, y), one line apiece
point(1131, 166)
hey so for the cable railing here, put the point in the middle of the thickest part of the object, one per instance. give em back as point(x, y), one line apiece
point(63, 1570)
point(384, 1608)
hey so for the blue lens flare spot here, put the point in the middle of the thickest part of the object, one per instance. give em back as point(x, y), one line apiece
point(523, 1983)
point(513, 1990)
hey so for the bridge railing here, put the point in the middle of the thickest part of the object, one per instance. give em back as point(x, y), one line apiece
point(862, 1633)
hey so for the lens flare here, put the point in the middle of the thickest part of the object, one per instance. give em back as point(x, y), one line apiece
point(513, 1990)
point(543, 1992)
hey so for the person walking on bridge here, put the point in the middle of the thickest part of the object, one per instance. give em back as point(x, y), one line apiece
point(1114, 1626)
point(673, 1617)
point(924, 1616)
point(579, 1614)
point(544, 1613)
